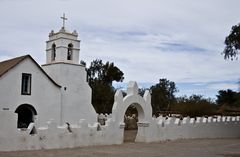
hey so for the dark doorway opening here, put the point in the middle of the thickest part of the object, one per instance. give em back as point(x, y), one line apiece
point(130, 120)
point(26, 114)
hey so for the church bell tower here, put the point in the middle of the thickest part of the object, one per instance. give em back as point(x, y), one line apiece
point(63, 46)
point(62, 65)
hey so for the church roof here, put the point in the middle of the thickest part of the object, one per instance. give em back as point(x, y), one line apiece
point(7, 65)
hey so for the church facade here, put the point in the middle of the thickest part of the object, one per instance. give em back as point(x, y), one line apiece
point(56, 90)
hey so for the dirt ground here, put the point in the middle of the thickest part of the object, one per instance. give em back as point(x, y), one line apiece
point(178, 148)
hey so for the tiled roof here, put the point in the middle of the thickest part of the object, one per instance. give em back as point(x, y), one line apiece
point(7, 65)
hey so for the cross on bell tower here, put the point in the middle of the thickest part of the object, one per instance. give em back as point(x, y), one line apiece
point(64, 19)
point(63, 46)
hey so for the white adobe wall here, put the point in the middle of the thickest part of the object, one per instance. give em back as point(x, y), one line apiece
point(54, 136)
point(85, 134)
point(173, 128)
point(45, 96)
point(76, 93)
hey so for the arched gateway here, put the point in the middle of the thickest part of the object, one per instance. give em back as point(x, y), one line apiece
point(26, 115)
point(142, 104)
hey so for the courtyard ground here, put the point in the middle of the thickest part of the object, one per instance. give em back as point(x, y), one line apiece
point(178, 148)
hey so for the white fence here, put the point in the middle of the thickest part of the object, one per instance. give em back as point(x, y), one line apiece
point(83, 134)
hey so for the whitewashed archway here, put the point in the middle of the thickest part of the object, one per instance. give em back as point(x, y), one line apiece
point(142, 104)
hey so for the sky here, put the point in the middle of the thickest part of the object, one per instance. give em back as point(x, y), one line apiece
point(147, 39)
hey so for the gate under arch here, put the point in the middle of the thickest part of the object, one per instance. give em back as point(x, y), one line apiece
point(142, 104)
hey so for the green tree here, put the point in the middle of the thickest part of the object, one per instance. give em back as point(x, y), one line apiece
point(231, 51)
point(232, 43)
point(163, 95)
point(105, 73)
point(100, 78)
point(228, 98)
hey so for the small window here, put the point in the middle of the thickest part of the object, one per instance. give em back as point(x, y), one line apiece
point(26, 84)
point(53, 51)
point(70, 51)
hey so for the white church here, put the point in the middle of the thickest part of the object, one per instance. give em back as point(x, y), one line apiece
point(49, 106)
point(56, 90)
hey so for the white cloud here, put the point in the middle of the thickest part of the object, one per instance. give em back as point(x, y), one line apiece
point(148, 39)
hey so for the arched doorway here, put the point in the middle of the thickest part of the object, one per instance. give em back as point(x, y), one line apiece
point(141, 103)
point(26, 114)
point(132, 116)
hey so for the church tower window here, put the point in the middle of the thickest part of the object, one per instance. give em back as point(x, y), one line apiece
point(26, 84)
point(53, 51)
point(70, 51)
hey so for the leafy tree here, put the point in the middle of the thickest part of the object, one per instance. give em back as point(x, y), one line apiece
point(163, 95)
point(231, 51)
point(194, 106)
point(232, 43)
point(228, 98)
point(100, 78)
point(102, 97)
point(106, 73)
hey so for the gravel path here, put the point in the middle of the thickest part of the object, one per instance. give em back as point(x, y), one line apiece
point(178, 148)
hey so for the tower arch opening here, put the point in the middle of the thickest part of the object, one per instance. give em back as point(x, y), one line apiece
point(26, 115)
point(53, 54)
point(70, 52)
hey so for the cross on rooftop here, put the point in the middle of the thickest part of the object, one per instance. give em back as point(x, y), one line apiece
point(64, 19)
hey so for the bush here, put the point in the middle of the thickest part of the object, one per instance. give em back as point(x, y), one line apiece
point(195, 106)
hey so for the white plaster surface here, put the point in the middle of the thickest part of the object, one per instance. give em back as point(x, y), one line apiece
point(61, 39)
point(85, 134)
point(76, 93)
point(45, 95)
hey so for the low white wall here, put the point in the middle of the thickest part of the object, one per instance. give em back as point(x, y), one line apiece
point(53, 136)
point(83, 134)
point(161, 129)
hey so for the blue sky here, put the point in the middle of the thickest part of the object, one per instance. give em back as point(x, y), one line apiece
point(147, 39)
